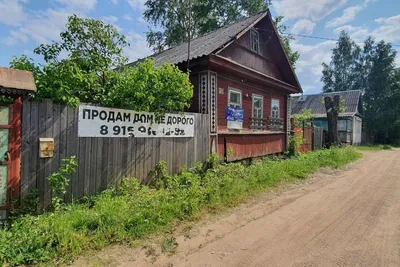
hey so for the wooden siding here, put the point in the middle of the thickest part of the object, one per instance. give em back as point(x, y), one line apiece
point(243, 55)
point(103, 162)
point(247, 91)
point(244, 146)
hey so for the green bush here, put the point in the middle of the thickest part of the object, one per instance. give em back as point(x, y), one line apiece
point(131, 210)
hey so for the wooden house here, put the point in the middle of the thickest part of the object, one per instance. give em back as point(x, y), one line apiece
point(350, 118)
point(243, 79)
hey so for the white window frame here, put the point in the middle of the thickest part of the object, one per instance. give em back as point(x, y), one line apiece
point(229, 97)
point(253, 31)
point(255, 96)
point(279, 107)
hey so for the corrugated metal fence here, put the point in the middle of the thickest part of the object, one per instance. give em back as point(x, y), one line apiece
point(102, 161)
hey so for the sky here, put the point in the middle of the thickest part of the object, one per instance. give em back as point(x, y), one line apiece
point(25, 24)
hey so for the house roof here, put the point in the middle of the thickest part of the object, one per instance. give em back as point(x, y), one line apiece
point(214, 41)
point(206, 44)
point(14, 81)
point(314, 102)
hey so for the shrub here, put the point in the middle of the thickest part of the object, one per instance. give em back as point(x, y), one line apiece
point(132, 210)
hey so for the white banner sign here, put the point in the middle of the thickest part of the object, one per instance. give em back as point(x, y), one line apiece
point(111, 122)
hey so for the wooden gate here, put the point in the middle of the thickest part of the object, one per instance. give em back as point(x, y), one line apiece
point(13, 85)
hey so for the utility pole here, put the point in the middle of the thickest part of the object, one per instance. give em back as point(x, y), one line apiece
point(189, 29)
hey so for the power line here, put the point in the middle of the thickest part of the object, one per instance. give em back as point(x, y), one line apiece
point(321, 38)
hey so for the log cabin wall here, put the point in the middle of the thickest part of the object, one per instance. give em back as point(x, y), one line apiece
point(226, 81)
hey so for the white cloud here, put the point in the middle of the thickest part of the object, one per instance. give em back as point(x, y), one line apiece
point(303, 26)
point(115, 2)
point(138, 47)
point(137, 4)
point(347, 28)
point(127, 17)
point(309, 65)
point(389, 20)
point(12, 12)
point(109, 19)
point(76, 5)
point(313, 9)
point(388, 30)
point(141, 20)
point(15, 38)
point(348, 15)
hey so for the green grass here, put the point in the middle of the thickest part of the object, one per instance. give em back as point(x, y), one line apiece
point(132, 211)
point(374, 147)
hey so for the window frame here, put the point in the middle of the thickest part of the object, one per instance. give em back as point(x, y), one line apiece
point(256, 96)
point(279, 107)
point(257, 34)
point(237, 91)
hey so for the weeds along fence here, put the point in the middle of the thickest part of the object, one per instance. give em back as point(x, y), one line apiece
point(102, 161)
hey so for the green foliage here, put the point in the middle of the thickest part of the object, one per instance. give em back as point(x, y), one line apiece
point(372, 70)
point(305, 118)
point(342, 72)
point(374, 147)
point(172, 20)
point(59, 180)
point(86, 65)
point(131, 210)
point(147, 88)
point(293, 56)
point(295, 142)
point(169, 245)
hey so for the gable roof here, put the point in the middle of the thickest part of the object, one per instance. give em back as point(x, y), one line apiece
point(314, 102)
point(206, 44)
point(216, 40)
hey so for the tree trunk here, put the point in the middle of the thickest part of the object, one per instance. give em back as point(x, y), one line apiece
point(332, 112)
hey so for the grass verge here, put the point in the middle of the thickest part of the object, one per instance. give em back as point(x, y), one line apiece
point(374, 147)
point(131, 211)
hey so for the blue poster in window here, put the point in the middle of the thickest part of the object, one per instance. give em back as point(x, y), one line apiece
point(234, 114)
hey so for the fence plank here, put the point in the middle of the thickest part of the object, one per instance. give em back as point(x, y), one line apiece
point(27, 182)
point(102, 162)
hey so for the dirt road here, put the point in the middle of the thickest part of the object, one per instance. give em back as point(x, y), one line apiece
point(349, 218)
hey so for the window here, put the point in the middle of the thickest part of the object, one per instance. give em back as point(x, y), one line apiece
point(254, 41)
point(235, 98)
point(257, 106)
point(275, 108)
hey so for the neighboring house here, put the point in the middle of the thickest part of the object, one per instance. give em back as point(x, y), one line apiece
point(350, 120)
point(242, 78)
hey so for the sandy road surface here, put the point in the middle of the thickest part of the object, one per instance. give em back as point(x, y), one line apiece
point(350, 218)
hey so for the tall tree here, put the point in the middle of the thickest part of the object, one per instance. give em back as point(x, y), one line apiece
point(382, 93)
point(371, 70)
point(342, 72)
point(173, 19)
point(81, 67)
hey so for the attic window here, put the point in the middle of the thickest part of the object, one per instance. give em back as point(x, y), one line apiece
point(254, 40)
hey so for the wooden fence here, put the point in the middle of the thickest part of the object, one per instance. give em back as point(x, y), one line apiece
point(102, 161)
point(318, 138)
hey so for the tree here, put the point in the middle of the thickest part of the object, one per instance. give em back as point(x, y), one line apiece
point(87, 65)
point(342, 72)
point(332, 107)
point(371, 70)
point(174, 18)
point(382, 112)
point(285, 39)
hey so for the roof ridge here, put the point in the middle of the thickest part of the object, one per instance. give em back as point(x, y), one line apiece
point(323, 93)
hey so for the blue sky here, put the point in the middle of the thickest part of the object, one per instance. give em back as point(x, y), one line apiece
point(24, 24)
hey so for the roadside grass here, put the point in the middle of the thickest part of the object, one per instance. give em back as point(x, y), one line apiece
point(132, 211)
point(374, 147)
